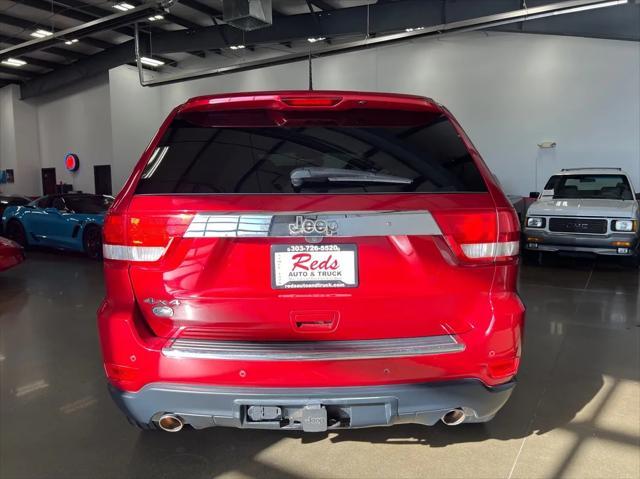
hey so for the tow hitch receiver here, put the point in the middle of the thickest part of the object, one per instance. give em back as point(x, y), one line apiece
point(314, 418)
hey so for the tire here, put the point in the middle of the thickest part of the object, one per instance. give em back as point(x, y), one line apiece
point(15, 232)
point(632, 262)
point(92, 242)
point(532, 257)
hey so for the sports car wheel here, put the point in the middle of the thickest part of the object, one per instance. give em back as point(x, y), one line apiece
point(92, 242)
point(15, 231)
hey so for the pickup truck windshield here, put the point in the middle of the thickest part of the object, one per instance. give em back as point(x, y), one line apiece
point(611, 187)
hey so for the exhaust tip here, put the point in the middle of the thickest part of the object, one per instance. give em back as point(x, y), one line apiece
point(170, 423)
point(454, 417)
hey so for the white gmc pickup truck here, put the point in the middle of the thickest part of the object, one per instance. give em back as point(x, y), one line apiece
point(586, 210)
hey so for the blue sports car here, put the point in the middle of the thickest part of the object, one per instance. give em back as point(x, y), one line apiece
point(71, 221)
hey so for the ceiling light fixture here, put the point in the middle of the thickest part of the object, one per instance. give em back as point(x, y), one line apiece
point(123, 6)
point(155, 18)
point(237, 47)
point(152, 62)
point(591, 7)
point(71, 42)
point(41, 33)
point(413, 29)
point(316, 39)
point(13, 62)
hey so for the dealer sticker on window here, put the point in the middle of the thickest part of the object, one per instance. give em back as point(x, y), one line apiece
point(314, 266)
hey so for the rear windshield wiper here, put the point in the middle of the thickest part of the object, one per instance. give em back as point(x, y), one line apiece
point(336, 175)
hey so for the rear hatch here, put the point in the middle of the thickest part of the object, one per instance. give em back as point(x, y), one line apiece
point(309, 222)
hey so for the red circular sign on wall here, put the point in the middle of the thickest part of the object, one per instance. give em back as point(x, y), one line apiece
point(71, 162)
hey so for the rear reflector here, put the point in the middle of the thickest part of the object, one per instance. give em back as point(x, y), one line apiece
point(311, 101)
point(133, 253)
point(116, 372)
point(503, 367)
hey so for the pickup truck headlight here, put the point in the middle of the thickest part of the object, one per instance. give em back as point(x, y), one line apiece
point(624, 225)
point(535, 222)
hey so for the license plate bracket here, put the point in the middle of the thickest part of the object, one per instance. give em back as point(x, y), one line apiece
point(314, 266)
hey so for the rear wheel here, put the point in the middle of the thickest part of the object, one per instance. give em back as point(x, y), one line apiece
point(15, 232)
point(92, 242)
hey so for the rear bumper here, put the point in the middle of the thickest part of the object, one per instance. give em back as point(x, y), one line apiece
point(537, 240)
point(346, 407)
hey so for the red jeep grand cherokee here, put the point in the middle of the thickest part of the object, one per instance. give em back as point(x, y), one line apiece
point(310, 260)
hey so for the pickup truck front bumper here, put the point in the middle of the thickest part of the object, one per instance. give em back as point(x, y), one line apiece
point(610, 244)
point(312, 409)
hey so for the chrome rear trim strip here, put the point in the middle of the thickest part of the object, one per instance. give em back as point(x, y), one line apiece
point(312, 350)
point(330, 224)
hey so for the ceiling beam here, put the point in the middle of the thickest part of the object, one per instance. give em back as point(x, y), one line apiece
point(5, 81)
point(201, 7)
point(181, 21)
point(73, 9)
point(29, 25)
point(41, 63)
point(321, 4)
point(61, 52)
point(105, 23)
point(17, 72)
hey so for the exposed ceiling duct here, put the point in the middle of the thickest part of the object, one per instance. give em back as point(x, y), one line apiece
point(248, 15)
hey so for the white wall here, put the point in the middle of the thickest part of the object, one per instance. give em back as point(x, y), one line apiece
point(19, 146)
point(77, 121)
point(509, 91)
point(137, 114)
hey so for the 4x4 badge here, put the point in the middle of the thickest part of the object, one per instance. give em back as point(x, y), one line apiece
point(313, 227)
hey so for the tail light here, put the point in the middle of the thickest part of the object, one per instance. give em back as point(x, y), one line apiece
point(481, 237)
point(141, 238)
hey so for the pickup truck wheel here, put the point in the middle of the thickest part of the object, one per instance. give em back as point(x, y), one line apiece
point(92, 242)
point(632, 262)
point(15, 232)
point(531, 257)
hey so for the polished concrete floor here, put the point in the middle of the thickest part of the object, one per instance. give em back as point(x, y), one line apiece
point(575, 412)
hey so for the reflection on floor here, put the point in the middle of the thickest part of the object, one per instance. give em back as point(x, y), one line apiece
point(575, 412)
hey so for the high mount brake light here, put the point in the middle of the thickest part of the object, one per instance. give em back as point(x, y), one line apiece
point(481, 237)
point(144, 238)
point(312, 101)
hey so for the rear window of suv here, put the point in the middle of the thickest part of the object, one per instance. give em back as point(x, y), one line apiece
point(416, 153)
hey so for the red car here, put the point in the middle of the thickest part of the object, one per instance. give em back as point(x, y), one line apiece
point(310, 260)
point(11, 254)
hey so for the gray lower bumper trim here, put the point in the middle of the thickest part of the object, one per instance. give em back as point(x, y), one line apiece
point(347, 407)
point(579, 243)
